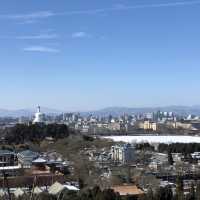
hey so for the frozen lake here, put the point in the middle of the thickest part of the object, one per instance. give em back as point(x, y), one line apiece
point(156, 139)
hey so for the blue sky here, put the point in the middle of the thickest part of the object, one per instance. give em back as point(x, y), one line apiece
point(85, 55)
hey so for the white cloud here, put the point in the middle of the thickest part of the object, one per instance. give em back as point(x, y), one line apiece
point(40, 36)
point(121, 7)
point(27, 21)
point(46, 36)
point(35, 16)
point(42, 49)
point(30, 16)
point(80, 35)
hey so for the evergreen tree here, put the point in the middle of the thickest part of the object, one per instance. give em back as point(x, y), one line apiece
point(81, 183)
point(163, 194)
point(179, 188)
point(192, 192)
point(168, 193)
point(170, 158)
point(197, 195)
point(150, 194)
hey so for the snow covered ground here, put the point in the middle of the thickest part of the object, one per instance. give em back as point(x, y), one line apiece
point(156, 139)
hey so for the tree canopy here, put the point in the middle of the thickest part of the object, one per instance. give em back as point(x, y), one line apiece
point(21, 133)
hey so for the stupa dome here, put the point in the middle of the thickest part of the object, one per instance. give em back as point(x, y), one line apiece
point(39, 117)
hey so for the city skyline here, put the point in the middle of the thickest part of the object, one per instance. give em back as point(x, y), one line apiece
point(78, 56)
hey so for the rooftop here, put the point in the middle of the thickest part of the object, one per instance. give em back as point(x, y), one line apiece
point(4, 151)
point(29, 153)
point(39, 160)
point(128, 190)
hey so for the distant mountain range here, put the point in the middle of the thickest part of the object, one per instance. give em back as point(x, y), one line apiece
point(115, 111)
point(27, 112)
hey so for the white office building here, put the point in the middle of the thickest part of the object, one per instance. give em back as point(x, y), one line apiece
point(123, 153)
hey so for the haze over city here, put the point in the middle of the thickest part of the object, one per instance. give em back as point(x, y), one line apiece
point(86, 56)
point(99, 100)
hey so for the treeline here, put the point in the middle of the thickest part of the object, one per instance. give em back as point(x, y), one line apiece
point(179, 148)
point(185, 148)
point(166, 193)
point(162, 193)
point(21, 133)
point(90, 194)
point(145, 146)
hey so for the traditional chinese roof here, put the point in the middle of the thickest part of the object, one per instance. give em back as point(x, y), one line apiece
point(128, 190)
point(56, 188)
point(29, 153)
point(4, 151)
point(18, 192)
point(39, 160)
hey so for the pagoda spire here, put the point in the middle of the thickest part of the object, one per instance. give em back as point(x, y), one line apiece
point(39, 109)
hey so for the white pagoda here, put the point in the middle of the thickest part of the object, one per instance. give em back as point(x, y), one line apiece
point(39, 117)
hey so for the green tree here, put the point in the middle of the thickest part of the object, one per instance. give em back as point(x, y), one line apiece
point(163, 193)
point(179, 188)
point(170, 158)
point(46, 196)
point(69, 195)
point(197, 195)
point(149, 194)
point(81, 183)
point(192, 193)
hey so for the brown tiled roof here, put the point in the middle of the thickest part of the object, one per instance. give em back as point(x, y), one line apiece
point(128, 190)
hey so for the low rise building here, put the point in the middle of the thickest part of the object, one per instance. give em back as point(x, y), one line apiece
point(114, 126)
point(26, 157)
point(177, 157)
point(8, 158)
point(128, 190)
point(148, 125)
point(123, 153)
point(9, 163)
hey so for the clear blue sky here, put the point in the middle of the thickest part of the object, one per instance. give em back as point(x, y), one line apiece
point(85, 55)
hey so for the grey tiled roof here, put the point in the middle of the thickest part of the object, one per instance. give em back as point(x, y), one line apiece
point(28, 153)
point(2, 151)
